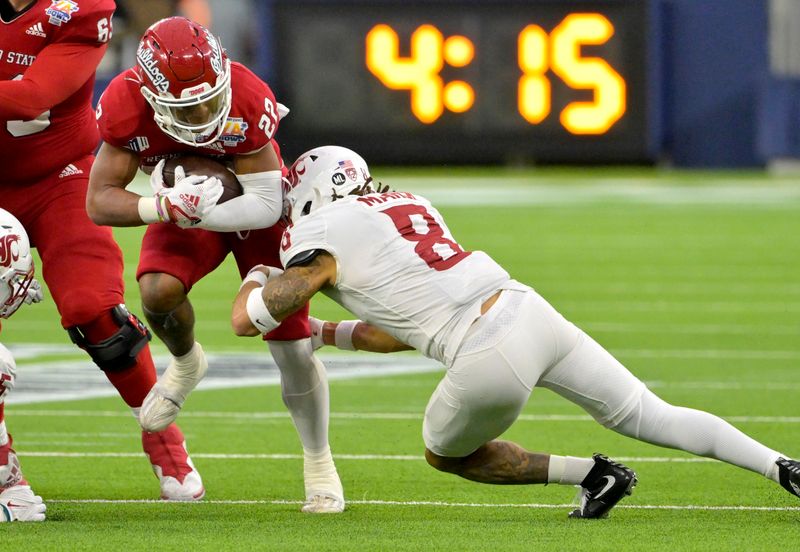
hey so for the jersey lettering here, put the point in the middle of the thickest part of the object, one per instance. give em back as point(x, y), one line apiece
point(432, 246)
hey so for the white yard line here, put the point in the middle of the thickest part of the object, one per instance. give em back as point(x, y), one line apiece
point(253, 416)
point(437, 504)
point(367, 457)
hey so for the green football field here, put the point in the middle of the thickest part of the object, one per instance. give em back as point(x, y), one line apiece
point(691, 279)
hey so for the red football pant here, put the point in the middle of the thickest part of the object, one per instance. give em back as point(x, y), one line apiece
point(188, 255)
point(81, 263)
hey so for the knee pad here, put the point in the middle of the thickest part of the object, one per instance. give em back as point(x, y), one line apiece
point(117, 352)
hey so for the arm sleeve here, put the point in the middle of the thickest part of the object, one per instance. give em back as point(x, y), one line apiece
point(260, 206)
point(58, 72)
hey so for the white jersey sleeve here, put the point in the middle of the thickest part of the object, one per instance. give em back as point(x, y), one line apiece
point(308, 234)
point(399, 268)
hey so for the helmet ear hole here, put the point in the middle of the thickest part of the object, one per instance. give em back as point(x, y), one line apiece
point(306, 208)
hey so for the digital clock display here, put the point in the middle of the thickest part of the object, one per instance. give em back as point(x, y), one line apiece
point(466, 81)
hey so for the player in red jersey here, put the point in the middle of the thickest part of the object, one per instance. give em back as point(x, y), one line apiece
point(184, 96)
point(17, 286)
point(50, 50)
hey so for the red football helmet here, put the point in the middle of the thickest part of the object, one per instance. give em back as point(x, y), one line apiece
point(186, 79)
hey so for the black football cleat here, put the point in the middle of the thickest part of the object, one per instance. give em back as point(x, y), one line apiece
point(605, 485)
point(789, 475)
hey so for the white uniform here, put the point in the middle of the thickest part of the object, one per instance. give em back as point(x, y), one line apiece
point(399, 268)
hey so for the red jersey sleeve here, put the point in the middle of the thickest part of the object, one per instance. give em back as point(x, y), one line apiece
point(65, 64)
point(119, 109)
point(254, 111)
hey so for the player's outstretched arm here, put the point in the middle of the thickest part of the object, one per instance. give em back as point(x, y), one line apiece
point(107, 201)
point(264, 299)
point(355, 335)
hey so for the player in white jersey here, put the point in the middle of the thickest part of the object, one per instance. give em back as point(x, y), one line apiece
point(390, 259)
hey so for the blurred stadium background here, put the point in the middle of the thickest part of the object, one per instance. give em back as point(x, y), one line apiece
point(633, 160)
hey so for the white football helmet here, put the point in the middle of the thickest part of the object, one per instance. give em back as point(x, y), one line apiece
point(16, 264)
point(321, 176)
point(186, 79)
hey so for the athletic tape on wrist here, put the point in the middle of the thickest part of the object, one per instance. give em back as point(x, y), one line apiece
point(259, 313)
point(148, 210)
point(343, 335)
point(255, 276)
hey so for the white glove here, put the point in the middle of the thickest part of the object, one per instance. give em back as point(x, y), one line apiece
point(157, 177)
point(187, 203)
point(23, 504)
point(34, 293)
point(8, 372)
point(316, 332)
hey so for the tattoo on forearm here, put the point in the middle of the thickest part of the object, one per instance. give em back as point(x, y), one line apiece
point(289, 293)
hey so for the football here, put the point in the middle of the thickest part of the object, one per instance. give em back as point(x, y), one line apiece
point(197, 164)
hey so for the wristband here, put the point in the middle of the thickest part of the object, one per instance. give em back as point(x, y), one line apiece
point(255, 276)
point(343, 336)
point(258, 312)
point(148, 210)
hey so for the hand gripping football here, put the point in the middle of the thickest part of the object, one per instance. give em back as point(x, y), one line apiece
point(196, 164)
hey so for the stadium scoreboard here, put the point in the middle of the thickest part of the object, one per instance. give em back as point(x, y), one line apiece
point(460, 81)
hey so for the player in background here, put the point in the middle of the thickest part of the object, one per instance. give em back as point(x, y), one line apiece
point(414, 284)
point(49, 54)
point(17, 286)
point(184, 96)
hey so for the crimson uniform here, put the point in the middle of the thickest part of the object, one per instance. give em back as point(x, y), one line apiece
point(46, 146)
point(126, 121)
point(49, 52)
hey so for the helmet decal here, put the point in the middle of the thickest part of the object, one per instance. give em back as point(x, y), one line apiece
point(146, 60)
point(9, 248)
point(186, 79)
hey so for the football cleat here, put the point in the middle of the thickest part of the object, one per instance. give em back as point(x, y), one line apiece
point(789, 475)
point(323, 504)
point(17, 501)
point(605, 485)
point(20, 504)
point(169, 457)
point(164, 401)
point(10, 471)
point(324, 493)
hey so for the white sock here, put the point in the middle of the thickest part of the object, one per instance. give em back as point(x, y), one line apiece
point(568, 470)
point(319, 473)
point(304, 389)
point(3, 434)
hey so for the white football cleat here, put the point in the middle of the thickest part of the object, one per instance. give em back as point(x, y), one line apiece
point(17, 501)
point(10, 471)
point(178, 477)
point(323, 504)
point(164, 401)
point(324, 493)
point(22, 504)
point(157, 411)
